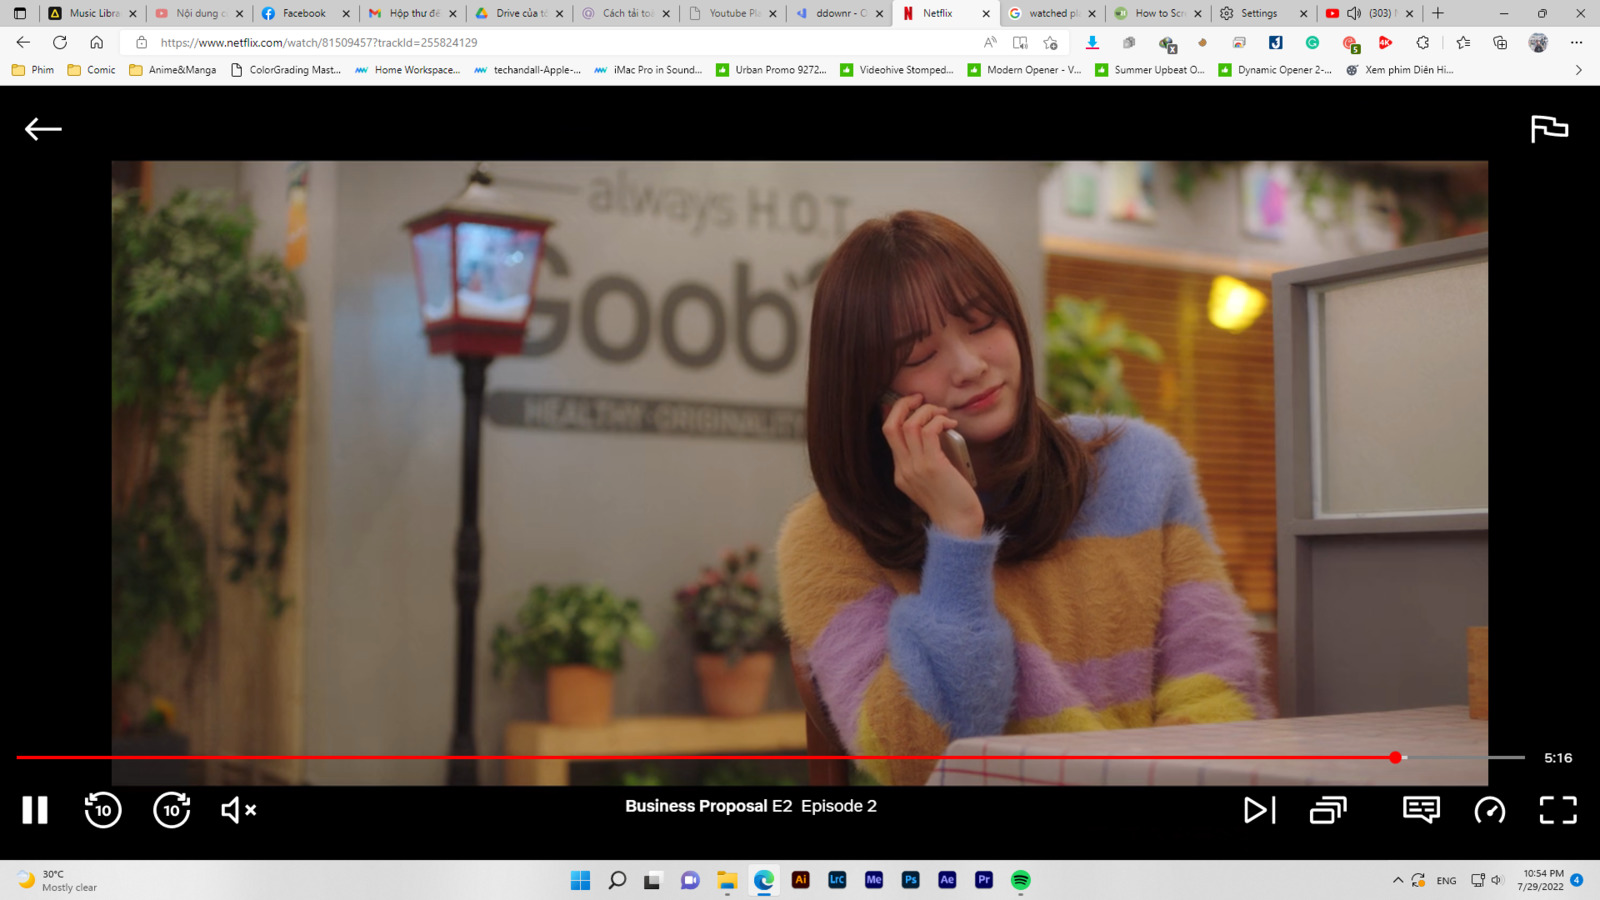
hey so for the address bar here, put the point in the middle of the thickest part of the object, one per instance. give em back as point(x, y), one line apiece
point(574, 41)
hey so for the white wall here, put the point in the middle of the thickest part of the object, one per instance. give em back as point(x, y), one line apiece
point(167, 178)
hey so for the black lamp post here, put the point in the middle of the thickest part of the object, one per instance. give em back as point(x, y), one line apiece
point(477, 262)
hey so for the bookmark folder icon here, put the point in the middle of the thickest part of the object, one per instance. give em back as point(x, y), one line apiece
point(19, 69)
point(74, 70)
point(135, 69)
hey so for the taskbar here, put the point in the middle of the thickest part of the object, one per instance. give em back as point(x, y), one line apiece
point(850, 875)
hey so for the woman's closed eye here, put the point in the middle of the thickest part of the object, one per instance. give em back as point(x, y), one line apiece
point(919, 362)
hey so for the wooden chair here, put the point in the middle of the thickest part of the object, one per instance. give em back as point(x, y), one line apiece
point(821, 737)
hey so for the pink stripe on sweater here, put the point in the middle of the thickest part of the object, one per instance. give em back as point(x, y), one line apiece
point(847, 655)
point(1204, 629)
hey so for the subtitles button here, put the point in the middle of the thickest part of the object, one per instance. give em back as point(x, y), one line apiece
point(1424, 808)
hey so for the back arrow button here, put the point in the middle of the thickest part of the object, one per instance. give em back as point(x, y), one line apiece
point(21, 41)
point(35, 126)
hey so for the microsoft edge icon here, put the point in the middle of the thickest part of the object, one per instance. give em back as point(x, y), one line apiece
point(763, 880)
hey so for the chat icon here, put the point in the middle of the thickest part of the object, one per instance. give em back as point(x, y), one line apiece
point(689, 881)
point(1424, 808)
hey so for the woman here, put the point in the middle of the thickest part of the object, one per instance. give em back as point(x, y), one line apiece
point(1077, 588)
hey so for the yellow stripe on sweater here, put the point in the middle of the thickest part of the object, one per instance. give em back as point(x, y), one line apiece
point(1197, 699)
point(1185, 557)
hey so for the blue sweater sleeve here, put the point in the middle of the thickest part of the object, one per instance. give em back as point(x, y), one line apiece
point(949, 643)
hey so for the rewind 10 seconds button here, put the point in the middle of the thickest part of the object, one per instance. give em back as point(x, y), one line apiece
point(1490, 809)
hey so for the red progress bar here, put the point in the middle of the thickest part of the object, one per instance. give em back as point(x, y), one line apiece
point(1391, 757)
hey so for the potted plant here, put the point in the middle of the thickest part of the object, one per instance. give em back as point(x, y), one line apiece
point(1083, 370)
point(737, 627)
point(154, 734)
point(573, 634)
point(193, 312)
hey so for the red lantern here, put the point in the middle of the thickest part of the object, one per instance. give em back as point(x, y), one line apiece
point(477, 263)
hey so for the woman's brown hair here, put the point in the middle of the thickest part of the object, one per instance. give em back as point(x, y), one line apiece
point(879, 285)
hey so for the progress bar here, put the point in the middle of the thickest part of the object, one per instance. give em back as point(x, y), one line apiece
point(1463, 758)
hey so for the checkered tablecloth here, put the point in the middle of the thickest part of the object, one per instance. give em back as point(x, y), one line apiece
point(1436, 731)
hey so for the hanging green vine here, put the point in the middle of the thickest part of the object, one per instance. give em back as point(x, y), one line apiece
point(260, 441)
point(1332, 185)
point(1188, 175)
point(191, 313)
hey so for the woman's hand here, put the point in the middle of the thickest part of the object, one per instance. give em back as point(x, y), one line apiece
point(924, 473)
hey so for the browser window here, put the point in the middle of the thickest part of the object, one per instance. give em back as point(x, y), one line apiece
point(503, 502)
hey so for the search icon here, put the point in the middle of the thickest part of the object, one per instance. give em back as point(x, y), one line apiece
point(618, 879)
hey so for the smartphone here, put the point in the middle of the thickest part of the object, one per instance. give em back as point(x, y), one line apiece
point(955, 446)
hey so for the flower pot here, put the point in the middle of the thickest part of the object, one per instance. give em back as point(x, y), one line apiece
point(579, 695)
point(154, 772)
point(738, 690)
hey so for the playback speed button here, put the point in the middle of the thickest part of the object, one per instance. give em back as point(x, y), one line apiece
point(1490, 809)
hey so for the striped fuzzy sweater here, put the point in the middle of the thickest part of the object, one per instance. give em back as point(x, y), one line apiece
point(1129, 621)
